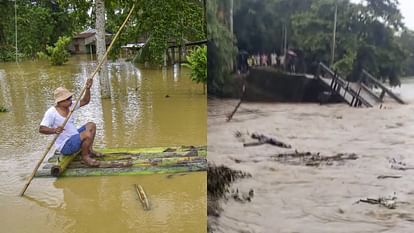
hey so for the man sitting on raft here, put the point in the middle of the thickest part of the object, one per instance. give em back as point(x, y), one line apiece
point(71, 139)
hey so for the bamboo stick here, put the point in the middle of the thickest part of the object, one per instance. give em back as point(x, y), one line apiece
point(136, 162)
point(61, 165)
point(142, 196)
point(130, 171)
point(77, 101)
point(146, 153)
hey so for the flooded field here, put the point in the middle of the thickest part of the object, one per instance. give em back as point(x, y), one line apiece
point(149, 107)
point(296, 196)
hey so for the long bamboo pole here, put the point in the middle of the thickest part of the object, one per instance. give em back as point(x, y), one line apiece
point(77, 101)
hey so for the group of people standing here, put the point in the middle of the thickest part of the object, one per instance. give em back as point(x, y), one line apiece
point(264, 59)
point(287, 62)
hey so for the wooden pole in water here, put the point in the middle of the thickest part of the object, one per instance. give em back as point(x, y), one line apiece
point(230, 116)
point(77, 101)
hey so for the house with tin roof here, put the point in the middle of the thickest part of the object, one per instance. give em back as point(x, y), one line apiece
point(85, 42)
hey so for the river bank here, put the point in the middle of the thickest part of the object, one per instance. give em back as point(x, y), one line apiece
point(294, 197)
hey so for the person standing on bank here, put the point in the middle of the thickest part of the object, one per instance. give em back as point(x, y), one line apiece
point(71, 139)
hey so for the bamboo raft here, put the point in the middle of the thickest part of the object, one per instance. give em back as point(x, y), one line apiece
point(136, 161)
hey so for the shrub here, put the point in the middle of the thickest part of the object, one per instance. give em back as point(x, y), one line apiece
point(197, 62)
point(58, 54)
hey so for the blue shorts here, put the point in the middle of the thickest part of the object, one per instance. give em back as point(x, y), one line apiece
point(73, 144)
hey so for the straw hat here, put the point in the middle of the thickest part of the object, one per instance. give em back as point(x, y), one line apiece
point(61, 94)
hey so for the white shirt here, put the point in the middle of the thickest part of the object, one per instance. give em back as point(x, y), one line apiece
point(53, 119)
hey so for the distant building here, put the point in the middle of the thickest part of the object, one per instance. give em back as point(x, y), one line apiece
point(85, 42)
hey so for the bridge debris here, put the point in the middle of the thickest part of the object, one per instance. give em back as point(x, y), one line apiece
point(312, 159)
point(388, 202)
point(262, 139)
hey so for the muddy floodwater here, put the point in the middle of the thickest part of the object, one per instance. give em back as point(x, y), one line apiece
point(149, 107)
point(294, 196)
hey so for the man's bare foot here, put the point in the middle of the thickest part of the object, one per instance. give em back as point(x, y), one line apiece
point(96, 154)
point(90, 162)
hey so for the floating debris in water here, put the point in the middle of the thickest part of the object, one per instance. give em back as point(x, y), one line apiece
point(169, 176)
point(262, 139)
point(238, 134)
point(242, 197)
point(142, 196)
point(312, 159)
point(399, 165)
point(170, 150)
point(388, 202)
point(388, 176)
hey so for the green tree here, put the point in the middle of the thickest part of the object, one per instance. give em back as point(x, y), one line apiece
point(367, 33)
point(58, 54)
point(7, 50)
point(173, 21)
point(221, 49)
point(259, 24)
point(39, 23)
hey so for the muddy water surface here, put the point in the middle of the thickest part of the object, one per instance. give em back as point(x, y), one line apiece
point(138, 115)
point(300, 198)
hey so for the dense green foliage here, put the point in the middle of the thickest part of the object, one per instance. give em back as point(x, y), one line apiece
point(197, 62)
point(221, 49)
point(370, 35)
point(58, 54)
point(40, 23)
point(172, 22)
point(365, 38)
point(159, 25)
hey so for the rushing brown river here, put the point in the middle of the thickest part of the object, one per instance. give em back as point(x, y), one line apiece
point(138, 115)
point(290, 196)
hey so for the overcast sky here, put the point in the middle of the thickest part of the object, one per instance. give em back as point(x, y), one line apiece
point(406, 8)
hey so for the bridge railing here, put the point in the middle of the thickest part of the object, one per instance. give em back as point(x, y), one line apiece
point(337, 83)
point(384, 90)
